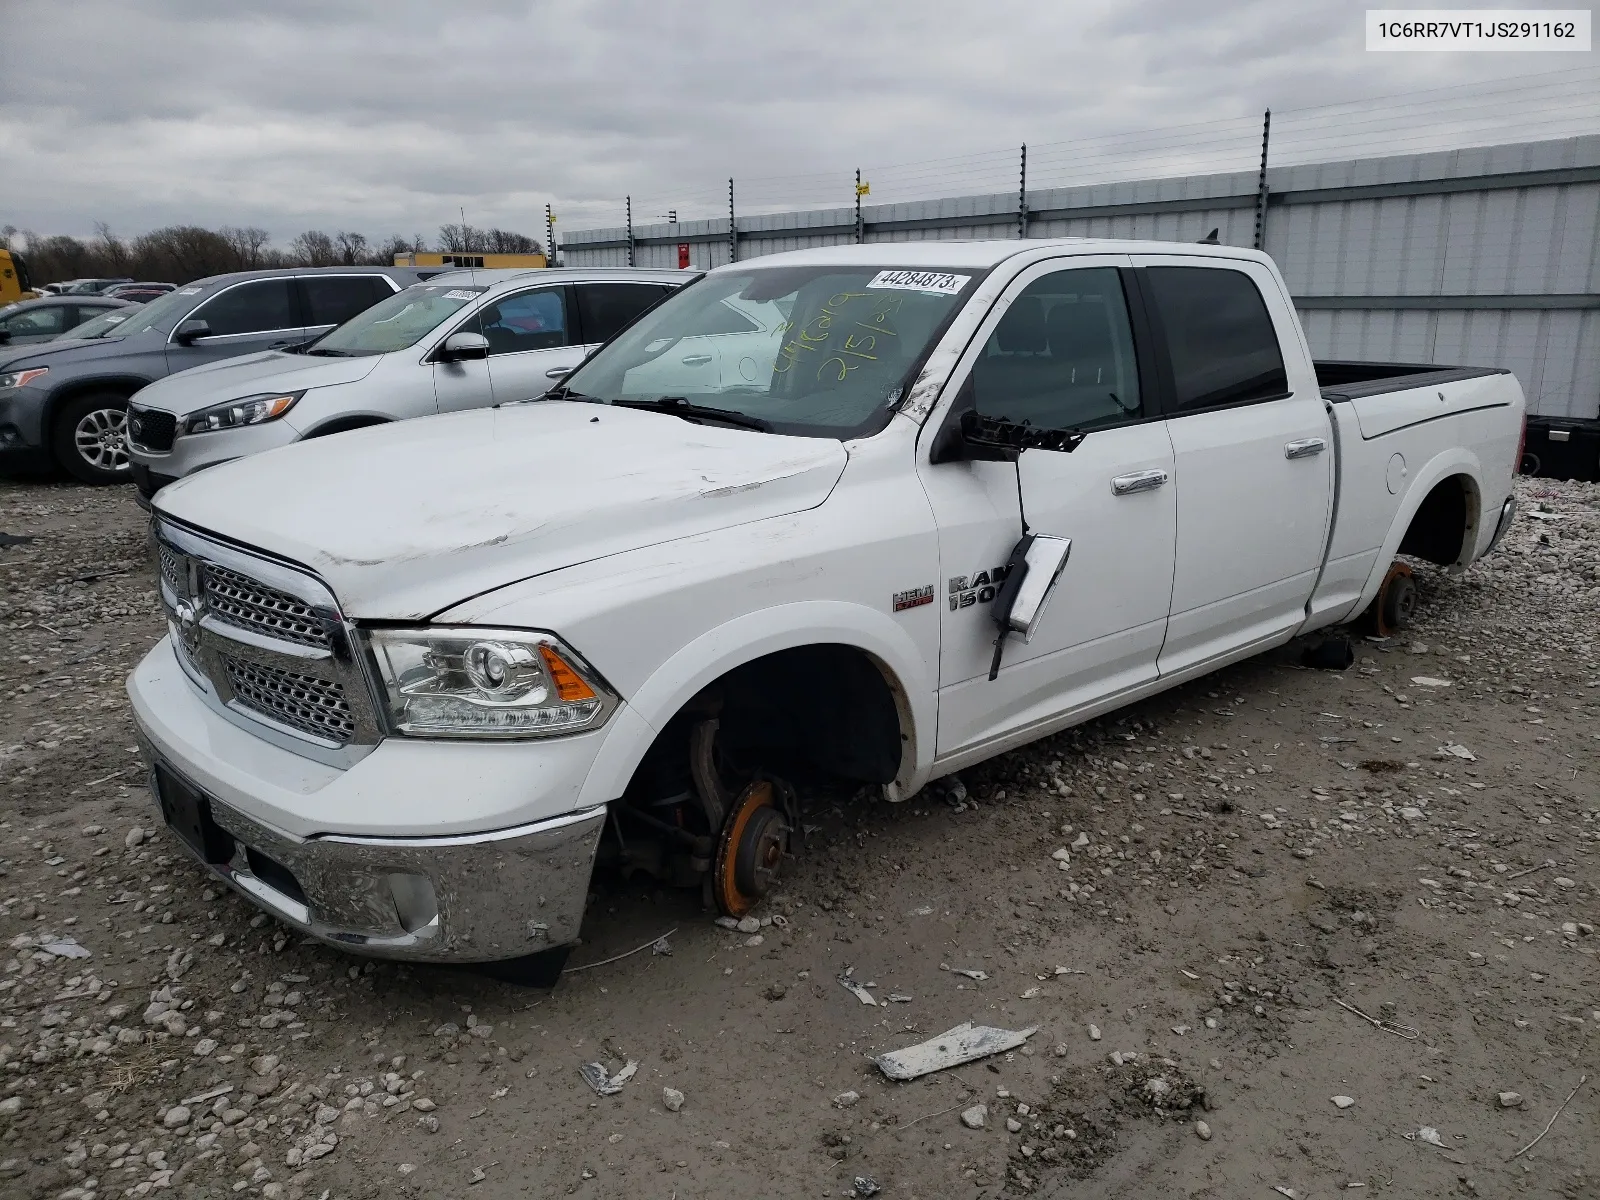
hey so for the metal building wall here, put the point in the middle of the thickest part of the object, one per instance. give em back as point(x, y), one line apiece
point(1488, 256)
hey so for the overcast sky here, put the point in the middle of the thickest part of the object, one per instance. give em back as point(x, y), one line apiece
point(387, 116)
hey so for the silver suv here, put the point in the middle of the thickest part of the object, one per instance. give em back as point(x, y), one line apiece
point(466, 339)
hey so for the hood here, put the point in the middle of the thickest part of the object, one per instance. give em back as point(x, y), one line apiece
point(234, 378)
point(407, 519)
point(75, 350)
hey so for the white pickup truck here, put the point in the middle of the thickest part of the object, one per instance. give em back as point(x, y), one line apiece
point(981, 491)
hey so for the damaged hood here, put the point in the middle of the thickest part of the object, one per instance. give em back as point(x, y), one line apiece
point(407, 519)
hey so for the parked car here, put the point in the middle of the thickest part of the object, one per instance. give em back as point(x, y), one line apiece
point(418, 678)
point(460, 340)
point(65, 401)
point(30, 321)
point(92, 287)
point(139, 293)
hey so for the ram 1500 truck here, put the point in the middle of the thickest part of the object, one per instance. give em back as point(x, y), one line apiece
point(420, 679)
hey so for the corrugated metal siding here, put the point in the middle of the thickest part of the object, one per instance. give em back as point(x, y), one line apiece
point(1467, 246)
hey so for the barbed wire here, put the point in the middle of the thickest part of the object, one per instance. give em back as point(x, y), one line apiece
point(1561, 103)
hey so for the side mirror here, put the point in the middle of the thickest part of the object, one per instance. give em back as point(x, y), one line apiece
point(459, 347)
point(189, 332)
point(1031, 575)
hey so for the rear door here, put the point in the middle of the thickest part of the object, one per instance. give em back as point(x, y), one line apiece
point(1058, 353)
point(244, 317)
point(331, 300)
point(1254, 465)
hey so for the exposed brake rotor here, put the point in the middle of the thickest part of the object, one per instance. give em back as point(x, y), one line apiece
point(751, 847)
point(1396, 601)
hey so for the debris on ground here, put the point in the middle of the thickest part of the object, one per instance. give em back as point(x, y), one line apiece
point(963, 1044)
point(604, 1083)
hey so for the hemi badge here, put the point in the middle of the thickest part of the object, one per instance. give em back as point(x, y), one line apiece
point(915, 598)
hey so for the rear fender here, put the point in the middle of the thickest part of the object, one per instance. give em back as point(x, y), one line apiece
point(1454, 461)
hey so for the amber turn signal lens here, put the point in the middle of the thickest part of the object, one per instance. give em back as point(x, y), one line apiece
point(569, 684)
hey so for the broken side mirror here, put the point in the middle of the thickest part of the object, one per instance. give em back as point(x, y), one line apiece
point(1031, 575)
point(970, 436)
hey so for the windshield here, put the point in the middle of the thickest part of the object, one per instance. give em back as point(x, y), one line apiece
point(120, 322)
point(402, 320)
point(824, 351)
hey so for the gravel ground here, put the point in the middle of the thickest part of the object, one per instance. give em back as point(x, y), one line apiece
point(1174, 896)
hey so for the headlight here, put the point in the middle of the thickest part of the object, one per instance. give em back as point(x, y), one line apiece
point(441, 682)
point(18, 378)
point(252, 410)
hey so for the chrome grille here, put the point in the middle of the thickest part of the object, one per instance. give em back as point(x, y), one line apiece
point(263, 641)
point(241, 601)
point(303, 702)
point(172, 569)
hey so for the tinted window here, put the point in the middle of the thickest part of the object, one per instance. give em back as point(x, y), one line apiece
point(31, 322)
point(1062, 356)
point(334, 299)
point(607, 307)
point(249, 308)
point(526, 321)
point(1220, 336)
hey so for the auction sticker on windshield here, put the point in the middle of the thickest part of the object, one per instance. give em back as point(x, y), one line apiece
point(937, 282)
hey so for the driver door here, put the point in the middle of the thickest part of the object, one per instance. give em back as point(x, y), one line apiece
point(1058, 352)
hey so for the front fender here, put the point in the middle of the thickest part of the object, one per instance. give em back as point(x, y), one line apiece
point(1456, 460)
point(755, 635)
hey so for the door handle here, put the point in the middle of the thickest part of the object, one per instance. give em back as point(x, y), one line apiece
point(1305, 448)
point(1139, 481)
point(696, 360)
point(558, 372)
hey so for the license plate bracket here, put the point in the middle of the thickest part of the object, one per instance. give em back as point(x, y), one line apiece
point(187, 812)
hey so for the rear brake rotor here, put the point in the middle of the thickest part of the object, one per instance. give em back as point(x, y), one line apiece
point(1396, 602)
point(750, 850)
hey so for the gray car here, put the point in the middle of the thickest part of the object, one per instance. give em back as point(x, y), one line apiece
point(29, 321)
point(65, 401)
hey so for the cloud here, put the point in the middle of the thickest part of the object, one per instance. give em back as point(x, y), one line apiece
point(392, 115)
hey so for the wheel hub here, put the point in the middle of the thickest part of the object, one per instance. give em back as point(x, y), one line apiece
point(750, 850)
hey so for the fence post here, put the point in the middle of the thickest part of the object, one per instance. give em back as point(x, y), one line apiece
point(860, 231)
point(1261, 184)
point(630, 232)
point(733, 230)
point(1022, 196)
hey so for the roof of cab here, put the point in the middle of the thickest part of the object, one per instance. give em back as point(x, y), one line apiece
point(979, 253)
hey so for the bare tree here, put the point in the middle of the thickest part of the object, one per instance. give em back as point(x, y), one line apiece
point(352, 248)
point(249, 245)
point(313, 248)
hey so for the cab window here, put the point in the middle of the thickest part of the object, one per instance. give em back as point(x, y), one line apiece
point(1062, 355)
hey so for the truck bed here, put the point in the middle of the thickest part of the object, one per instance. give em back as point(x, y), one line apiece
point(1342, 379)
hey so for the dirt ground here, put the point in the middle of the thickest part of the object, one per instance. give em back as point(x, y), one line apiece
point(1176, 897)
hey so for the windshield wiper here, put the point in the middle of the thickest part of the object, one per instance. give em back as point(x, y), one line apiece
point(679, 406)
point(317, 352)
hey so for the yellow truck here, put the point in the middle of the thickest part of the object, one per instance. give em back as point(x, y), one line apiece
point(427, 258)
point(15, 285)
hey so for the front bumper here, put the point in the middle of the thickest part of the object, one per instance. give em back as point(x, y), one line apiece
point(477, 898)
point(196, 451)
point(384, 857)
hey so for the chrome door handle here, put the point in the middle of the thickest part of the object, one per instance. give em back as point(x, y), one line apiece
point(1304, 448)
point(558, 372)
point(1139, 481)
point(696, 360)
